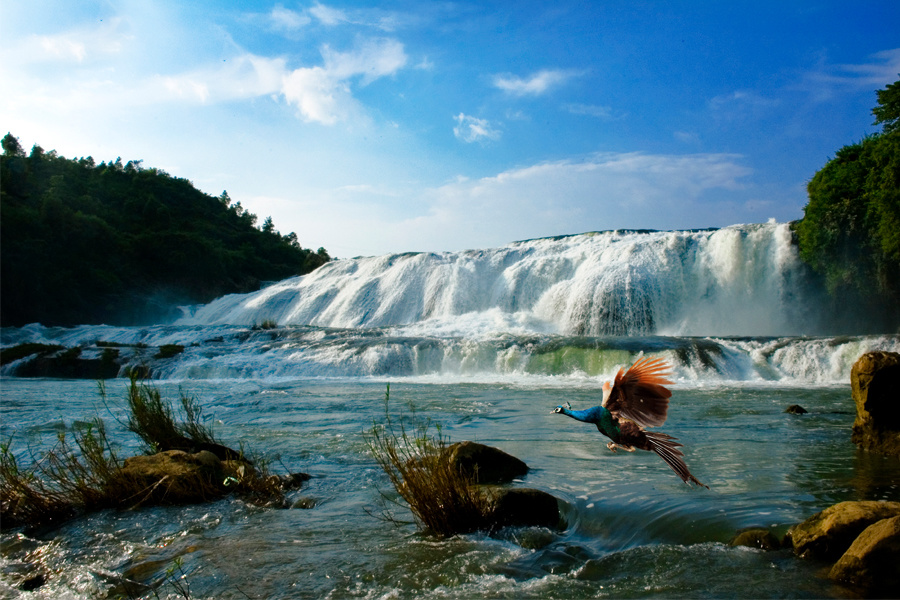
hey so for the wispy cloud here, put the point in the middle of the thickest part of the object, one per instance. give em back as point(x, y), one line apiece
point(81, 45)
point(329, 16)
point(537, 84)
point(285, 19)
point(591, 110)
point(880, 70)
point(472, 129)
point(323, 94)
point(742, 101)
point(600, 191)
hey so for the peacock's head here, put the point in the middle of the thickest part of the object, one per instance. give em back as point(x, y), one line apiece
point(562, 409)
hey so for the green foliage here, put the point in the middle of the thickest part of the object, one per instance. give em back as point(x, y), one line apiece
point(121, 244)
point(850, 232)
point(887, 112)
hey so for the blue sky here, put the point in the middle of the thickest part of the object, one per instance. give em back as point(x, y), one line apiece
point(370, 128)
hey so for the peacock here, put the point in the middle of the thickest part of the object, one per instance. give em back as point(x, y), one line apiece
point(637, 399)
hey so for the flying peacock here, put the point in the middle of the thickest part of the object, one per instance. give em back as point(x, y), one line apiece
point(637, 399)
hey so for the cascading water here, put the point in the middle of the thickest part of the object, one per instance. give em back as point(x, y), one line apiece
point(741, 280)
point(727, 304)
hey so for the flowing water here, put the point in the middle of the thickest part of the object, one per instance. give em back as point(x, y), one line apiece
point(485, 343)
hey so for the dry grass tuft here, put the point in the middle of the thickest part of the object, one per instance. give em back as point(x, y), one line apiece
point(73, 478)
point(443, 498)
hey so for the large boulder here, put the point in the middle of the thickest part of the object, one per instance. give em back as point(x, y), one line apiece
point(871, 561)
point(875, 384)
point(828, 534)
point(486, 464)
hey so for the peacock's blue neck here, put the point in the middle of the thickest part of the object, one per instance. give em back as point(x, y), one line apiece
point(599, 416)
point(595, 414)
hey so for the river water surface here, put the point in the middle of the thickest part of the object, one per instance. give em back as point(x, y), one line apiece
point(632, 528)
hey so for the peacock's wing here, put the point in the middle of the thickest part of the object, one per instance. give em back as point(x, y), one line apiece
point(639, 394)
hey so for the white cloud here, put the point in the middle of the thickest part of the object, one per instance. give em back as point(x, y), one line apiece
point(604, 191)
point(80, 45)
point(328, 16)
point(371, 59)
point(473, 129)
point(318, 96)
point(880, 70)
point(601, 191)
point(537, 84)
point(591, 110)
point(323, 94)
point(244, 76)
point(285, 19)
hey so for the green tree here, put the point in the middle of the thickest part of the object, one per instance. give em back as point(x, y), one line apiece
point(887, 113)
point(850, 231)
point(121, 244)
point(11, 146)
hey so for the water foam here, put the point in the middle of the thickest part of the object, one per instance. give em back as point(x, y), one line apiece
point(740, 280)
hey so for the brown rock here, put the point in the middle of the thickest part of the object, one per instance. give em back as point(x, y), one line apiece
point(829, 533)
point(872, 560)
point(756, 538)
point(875, 384)
point(485, 463)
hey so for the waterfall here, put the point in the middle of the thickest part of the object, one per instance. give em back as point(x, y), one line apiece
point(743, 280)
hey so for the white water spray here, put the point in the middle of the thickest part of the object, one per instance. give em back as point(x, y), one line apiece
point(740, 280)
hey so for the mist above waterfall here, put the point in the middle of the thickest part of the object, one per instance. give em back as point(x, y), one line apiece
point(744, 280)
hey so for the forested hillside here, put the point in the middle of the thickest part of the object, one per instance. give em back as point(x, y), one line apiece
point(850, 232)
point(83, 243)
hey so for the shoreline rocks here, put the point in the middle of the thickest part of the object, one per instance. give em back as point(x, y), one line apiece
point(875, 385)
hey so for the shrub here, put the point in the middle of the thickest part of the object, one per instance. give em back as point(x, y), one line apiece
point(71, 479)
point(442, 498)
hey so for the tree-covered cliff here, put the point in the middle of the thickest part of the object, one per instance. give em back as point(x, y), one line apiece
point(121, 244)
point(850, 232)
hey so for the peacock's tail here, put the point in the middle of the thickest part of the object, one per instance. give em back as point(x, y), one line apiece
point(668, 449)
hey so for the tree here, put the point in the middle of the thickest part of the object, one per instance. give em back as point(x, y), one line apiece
point(123, 244)
point(11, 146)
point(888, 110)
point(850, 231)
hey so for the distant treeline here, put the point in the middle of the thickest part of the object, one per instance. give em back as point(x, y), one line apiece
point(850, 232)
point(120, 244)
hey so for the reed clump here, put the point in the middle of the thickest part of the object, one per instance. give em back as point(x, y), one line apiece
point(442, 497)
point(83, 473)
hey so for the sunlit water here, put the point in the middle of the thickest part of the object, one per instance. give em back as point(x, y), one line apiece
point(632, 528)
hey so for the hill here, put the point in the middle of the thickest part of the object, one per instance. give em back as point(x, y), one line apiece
point(120, 244)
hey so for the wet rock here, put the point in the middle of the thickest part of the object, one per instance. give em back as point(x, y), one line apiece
point(170, 477)
point(304, 503)
point(487, 464)
point(294, 481)
point(67, 366)
point(875, 384)
point(524, 507)
point(756, 538)
point(796, 409)
point(871, 561)
point(828, 534)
